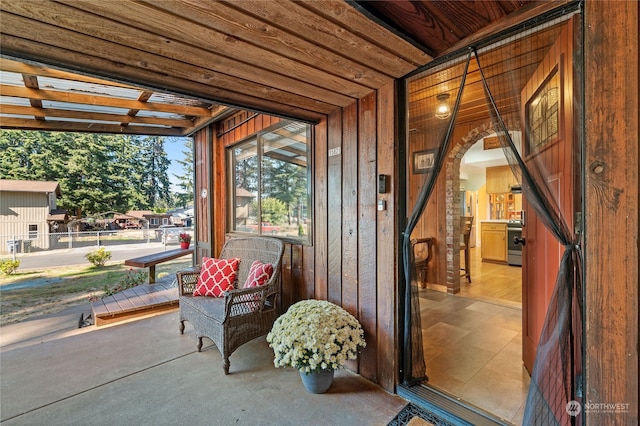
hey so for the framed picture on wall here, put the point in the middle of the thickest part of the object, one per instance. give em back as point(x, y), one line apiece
point(423, 161)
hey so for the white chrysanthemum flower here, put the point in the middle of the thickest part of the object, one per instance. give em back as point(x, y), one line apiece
point(314, 335)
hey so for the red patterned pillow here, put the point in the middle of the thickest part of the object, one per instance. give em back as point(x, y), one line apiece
point(259, 274)
point(216, 276)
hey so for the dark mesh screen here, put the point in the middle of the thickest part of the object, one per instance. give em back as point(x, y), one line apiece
point(496, 82)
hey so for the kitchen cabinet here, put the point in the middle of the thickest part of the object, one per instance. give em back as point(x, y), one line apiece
point(494, 241)
point(504, 206)
point(500, 180)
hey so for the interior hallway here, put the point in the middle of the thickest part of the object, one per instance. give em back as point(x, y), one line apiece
point(473, 340)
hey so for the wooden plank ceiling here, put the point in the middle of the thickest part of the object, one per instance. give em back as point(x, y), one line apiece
point(439, 25)
point(169, 67)
point(507, 68)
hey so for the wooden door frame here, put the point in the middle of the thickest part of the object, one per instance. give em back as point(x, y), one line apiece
point(611, 170)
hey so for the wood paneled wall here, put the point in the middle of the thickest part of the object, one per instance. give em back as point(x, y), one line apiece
point(353, 257)
point(612, 209)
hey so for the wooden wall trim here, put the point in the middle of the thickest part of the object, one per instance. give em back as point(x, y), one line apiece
point(611, 217)
point(321, 207)
point(350, 208)
point(202, 176)
point(218, 197)
point(334, 211)
point(387, 350)
point(367, 231)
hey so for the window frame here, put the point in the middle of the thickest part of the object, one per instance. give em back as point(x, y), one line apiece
point(260, 142)
point(32, 235)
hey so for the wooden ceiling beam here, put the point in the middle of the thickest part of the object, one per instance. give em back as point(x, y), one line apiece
point(184, 79)
point(122, 55)
point(84, 115)
point(221, 56)
point(217, 112)
point(272, 40)
point(284, 158)
point(309, 26)
point(69, 126)
point(80, 98)
point(31, 81)
point(46, 71)
point(349, 17)
point(143, 97)
point(283, 146)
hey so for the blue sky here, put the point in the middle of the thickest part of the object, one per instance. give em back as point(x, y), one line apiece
point(174, 147)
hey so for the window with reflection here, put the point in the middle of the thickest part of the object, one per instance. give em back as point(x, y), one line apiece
point(542, 114)
point(271, 190)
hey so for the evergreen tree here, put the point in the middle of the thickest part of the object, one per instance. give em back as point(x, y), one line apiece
point(155, 181)
point(96, 172)
point(96, 181)
point(128, 157)
point(286, 182)
point(48, 160)
point(16, 147)
point(184, 196)
point(246, 169)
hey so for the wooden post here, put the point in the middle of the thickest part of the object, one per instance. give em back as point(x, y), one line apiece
point(611, 216)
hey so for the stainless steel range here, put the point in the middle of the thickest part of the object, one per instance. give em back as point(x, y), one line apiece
point(515, 242)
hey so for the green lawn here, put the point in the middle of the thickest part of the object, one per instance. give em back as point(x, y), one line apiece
point(61, 287)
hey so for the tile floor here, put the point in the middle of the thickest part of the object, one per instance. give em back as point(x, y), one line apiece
point(473, 351)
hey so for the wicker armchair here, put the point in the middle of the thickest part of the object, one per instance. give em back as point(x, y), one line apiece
point(242, 314)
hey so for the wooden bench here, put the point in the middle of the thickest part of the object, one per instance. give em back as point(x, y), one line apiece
point(151, 260)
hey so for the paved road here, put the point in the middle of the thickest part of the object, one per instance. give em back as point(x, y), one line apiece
point(67, 257)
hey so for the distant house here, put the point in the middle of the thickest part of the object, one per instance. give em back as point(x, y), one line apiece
point(58, 220)
point(27, 209)
point(182, 217)
point(243, 202)
point(154, 219)
point(127, 221)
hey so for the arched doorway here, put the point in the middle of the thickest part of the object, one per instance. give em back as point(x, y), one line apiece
point(452, 170)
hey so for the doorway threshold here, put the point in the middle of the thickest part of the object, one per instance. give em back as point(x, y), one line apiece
point(451, 409)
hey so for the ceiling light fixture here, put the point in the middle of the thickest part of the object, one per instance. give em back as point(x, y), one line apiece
point(443, 111)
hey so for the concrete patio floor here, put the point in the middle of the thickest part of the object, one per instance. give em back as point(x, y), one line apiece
point(144, 372)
